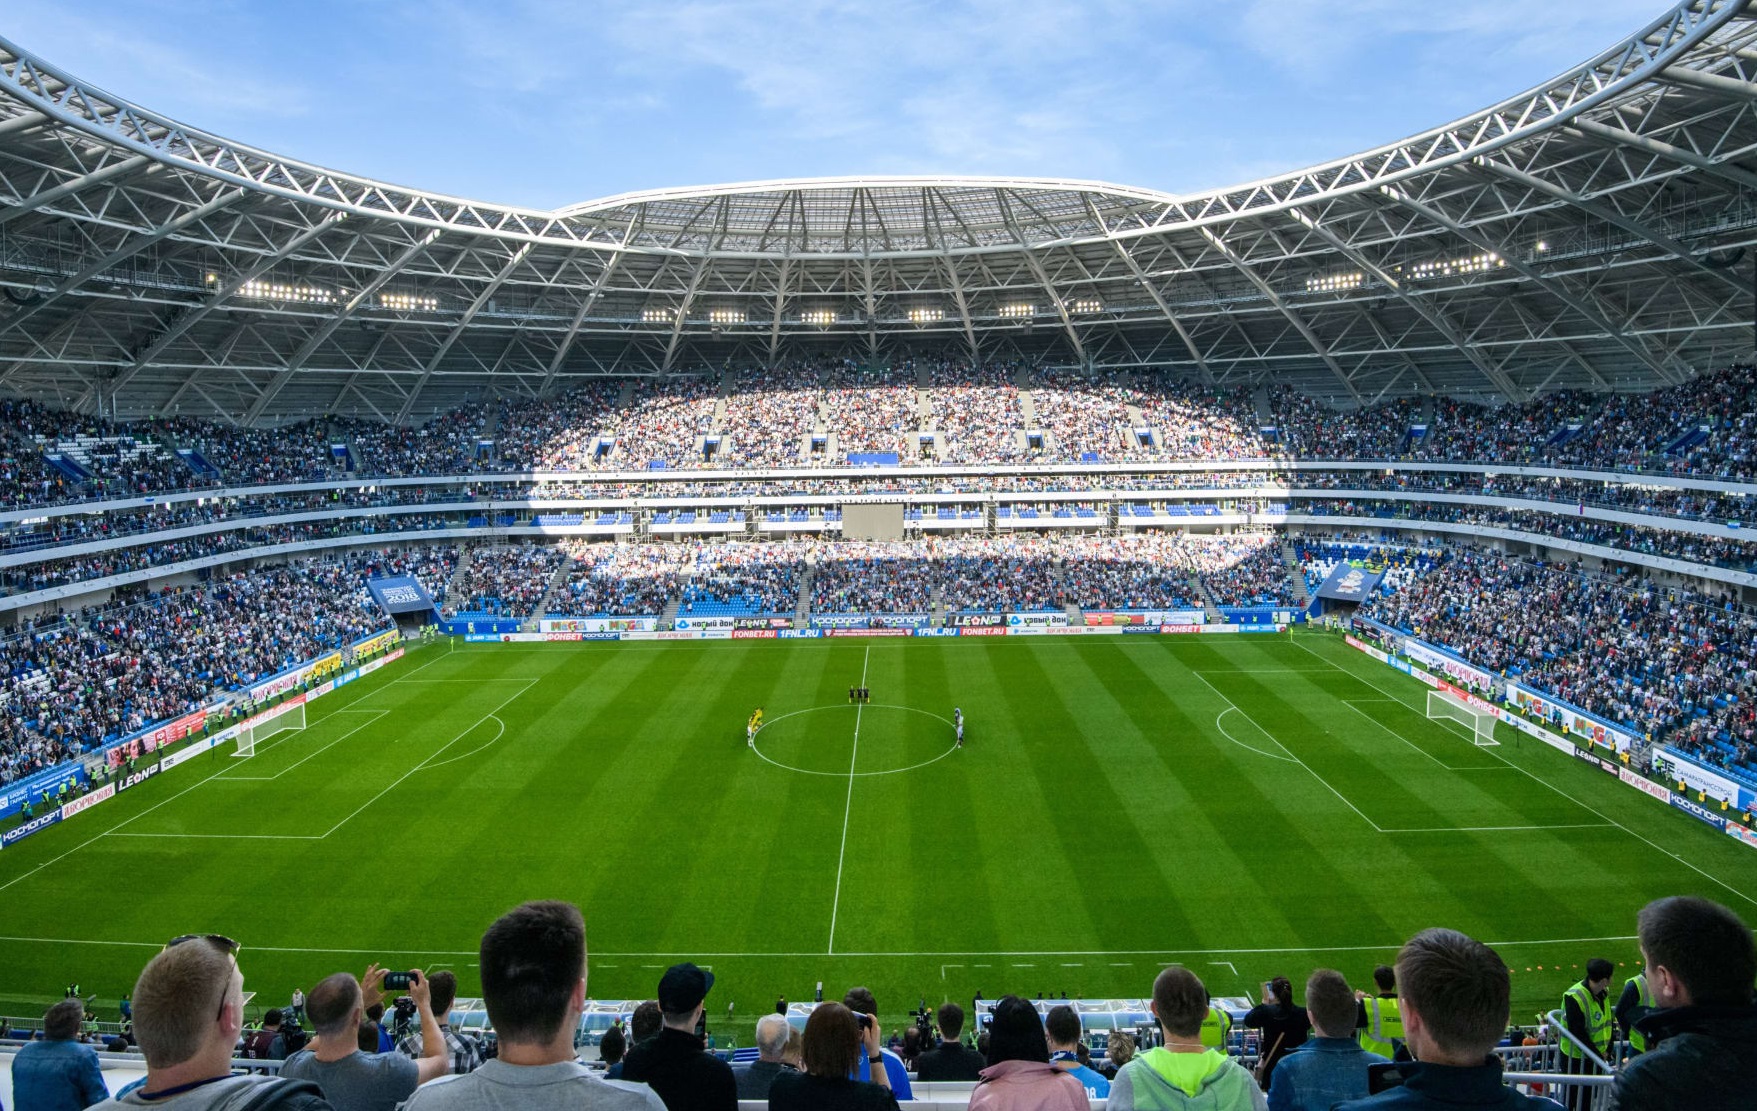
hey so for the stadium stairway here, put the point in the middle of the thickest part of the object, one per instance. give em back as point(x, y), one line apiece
point(668, 616)
point(802, 612)
point(1296, 574)
point(1208, 606)
point(454, 585)
point(557, 582)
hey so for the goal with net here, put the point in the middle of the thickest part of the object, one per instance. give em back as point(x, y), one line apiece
point(1445, 706)
point(280, 719)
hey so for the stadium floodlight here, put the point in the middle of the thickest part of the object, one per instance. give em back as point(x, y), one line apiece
point(657, 316)
point(1017, 310)
point(818, 316)
point(726, 316)
point(926, 314)
point(1452, 267)
point(259, 290)
point(291, 718)
point(1332, 282)
point(407, 302)
point(1445, 706)
point(1085, 305)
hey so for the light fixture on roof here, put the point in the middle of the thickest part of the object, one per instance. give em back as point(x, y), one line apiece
point(407, 302)
point(726, 316)
point(1455, 267)
point(293, 293)
point(1542, 246)
point(1018, 310)
point(926, 314)
point(819, 317)
point(657, 316)
point(1085, 305)
point(1330, 283)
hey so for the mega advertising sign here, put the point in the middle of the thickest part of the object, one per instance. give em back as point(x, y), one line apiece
point(1567, 718)
point(610, 624)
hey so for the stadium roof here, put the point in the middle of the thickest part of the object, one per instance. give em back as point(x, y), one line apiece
point(1590, 232)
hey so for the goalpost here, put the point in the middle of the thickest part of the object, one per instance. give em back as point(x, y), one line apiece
point(290, 717)
point(1449, 707)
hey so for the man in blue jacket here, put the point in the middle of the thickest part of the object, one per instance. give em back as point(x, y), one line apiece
point(58, 1073)
point(1331, 1066)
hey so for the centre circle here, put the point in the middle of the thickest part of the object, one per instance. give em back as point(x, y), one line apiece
point(891, 739)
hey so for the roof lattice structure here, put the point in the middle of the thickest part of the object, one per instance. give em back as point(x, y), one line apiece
point(1591, 232)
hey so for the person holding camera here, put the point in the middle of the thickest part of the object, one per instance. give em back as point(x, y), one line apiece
point(465, 1050)
point(355, 1080)
point(835, 1042)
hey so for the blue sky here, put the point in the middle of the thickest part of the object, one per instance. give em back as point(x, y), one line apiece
point(547, 102)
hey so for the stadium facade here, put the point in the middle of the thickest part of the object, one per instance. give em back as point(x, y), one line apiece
point(1589, 233)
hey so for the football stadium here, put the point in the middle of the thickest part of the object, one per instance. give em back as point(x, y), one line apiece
point(891, 593)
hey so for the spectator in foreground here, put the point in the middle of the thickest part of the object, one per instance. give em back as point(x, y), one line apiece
point(676, 1064)
point(1702, 1035)
point(611, 1047)
point(1455, 1002)
point(1183, 1073)
point(1284, 1025)
point(771, 1041)
point(58, 1073)
point(464, 1050)
point(1119, 1050)
point(834, 1042)
point(533, 962)
point(861, 1002)
point(188, 1013)
point(353, 1079)
point(1062, 1025)
point(1019, 1076)
point(1330, 1067)
point(951, 1059)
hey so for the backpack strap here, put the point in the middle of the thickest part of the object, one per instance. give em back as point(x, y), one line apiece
point(284, 1088)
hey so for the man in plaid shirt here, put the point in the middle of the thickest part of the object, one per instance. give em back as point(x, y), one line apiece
point(466, 1052)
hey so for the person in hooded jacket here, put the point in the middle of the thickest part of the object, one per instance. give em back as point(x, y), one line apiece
point(1183, 1074)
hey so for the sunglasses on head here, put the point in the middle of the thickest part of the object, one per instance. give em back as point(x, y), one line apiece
point(219, 941)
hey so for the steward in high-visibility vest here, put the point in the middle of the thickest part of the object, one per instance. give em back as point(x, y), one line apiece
point(1633, 1006)
point(1383, 1031)
point(1597, 1025)
point(1216, 1025)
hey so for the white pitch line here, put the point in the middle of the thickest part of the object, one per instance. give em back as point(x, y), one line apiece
point(1241, 744)
point(398, 780)
point(376, 714)
point(1535, 779)
point(848, 807)
point(1387, 729)
point(1290, 752)
point(1500, 829)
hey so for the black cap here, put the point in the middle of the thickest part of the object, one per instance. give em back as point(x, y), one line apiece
point(683, 987)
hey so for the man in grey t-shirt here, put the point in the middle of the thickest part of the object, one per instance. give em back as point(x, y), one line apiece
point(356, 1081)
point(533, 962)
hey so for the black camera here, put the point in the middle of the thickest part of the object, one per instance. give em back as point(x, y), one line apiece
point(399, 981)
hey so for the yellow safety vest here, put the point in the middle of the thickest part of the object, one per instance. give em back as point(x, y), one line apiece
point(1215, 1026)
point(1599, 1021)
point(1637, 1041)
point(1384, 1026)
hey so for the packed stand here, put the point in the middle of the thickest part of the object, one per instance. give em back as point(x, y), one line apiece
point(622, 579)
point(981, 576)
point(744, 579)
point(506, 581)
point(662, 423)
point(872, 411)
point(976, 411)
point(1241, 569)
point(770, 417)
point(1145, 571)
point(873, 576)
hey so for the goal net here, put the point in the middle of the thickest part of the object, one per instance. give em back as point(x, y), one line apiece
point(1443, 706)
point(260, 728)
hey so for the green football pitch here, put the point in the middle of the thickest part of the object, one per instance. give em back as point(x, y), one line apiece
point(1248, 806)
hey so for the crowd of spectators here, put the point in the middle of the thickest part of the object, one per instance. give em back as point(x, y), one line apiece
point(1145, 571)
point(976, 412)
point(622, 579)
point(1241, 569)
point(760, 577)
point(505, 580)
point(663, 424)
point(1658, 660)
point(70, 681)
point(770, 417)
point(872, 410)
point(873, 576)
point(978, 575)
